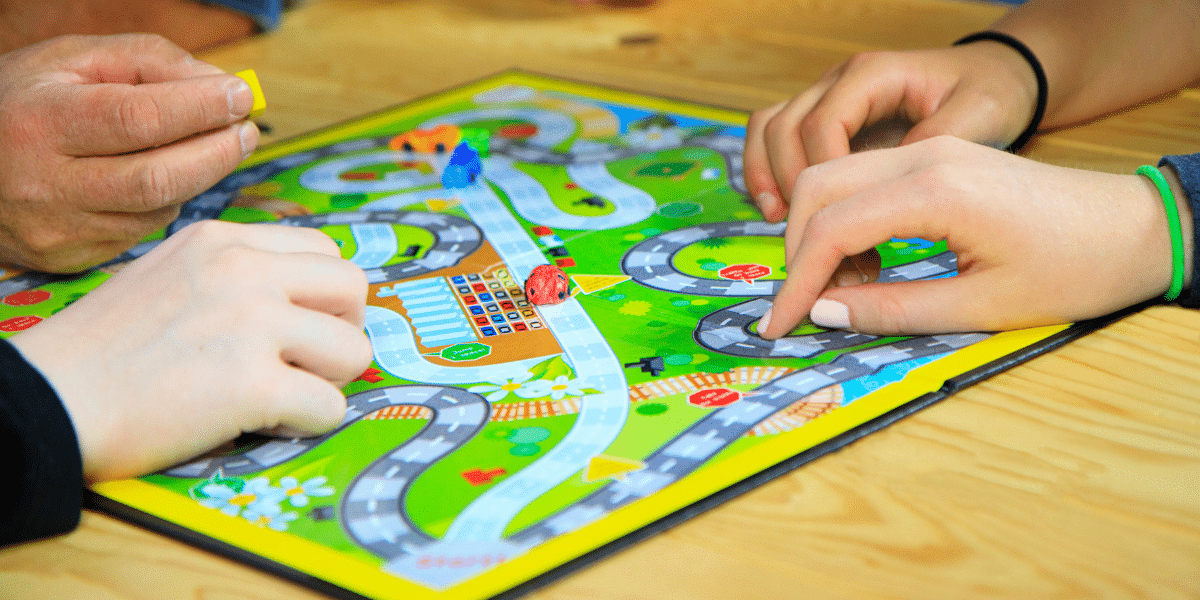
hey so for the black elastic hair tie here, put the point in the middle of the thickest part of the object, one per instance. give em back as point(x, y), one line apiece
point(1042, 92)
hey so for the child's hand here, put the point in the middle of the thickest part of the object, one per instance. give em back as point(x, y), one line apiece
point(1036, 244)
point(222, 329)
point(101, 140)
point(983, 92)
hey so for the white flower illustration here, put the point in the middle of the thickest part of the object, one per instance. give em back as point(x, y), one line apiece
point(278, 522)
point(299, 493)
point(499, 390)
point(557, 389)
point(256, 497)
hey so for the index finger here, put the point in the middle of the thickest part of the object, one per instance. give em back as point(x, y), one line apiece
point(129, 58)
point(105, 119)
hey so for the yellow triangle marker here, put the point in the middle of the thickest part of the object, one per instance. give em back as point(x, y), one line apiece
point(603, 466)
point(438, 204)
point(593, 283)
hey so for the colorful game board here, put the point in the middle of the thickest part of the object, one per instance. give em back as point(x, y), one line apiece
point(494, 441)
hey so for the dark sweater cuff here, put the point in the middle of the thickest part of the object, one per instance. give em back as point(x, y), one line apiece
point(41, 455)
point(1187, 167)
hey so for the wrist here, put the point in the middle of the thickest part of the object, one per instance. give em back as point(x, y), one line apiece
point(1031, 90)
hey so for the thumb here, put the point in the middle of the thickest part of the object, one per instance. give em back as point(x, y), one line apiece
point(974, 117)
point(305, 405)
point(952, 304)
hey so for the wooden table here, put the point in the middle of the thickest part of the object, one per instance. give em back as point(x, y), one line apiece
point(1076, 475)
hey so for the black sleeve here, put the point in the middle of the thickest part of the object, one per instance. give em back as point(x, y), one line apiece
point(43, 472)
point(1187, 167)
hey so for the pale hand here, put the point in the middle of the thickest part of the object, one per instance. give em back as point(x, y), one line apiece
point(1036, 244)
point(222, 329)
point(983, 92)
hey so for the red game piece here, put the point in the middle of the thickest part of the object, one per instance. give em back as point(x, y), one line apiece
point(547, 285)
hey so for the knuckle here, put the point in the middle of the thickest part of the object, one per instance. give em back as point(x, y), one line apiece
point(820, 226)
point(940, 179)
point(861, 59)
point(892, 316)
point(155, 186)
point(139, 117)
point(809, 183)
point(154, 44)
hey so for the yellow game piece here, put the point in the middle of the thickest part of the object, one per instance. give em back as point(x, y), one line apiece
point(260, 101)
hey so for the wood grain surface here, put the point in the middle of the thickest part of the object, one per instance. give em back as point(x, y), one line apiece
point(1076, 475)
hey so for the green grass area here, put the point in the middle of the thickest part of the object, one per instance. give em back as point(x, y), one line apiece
point(569, 200)
point(704, 259)
point(340, 459)
point(443, 491)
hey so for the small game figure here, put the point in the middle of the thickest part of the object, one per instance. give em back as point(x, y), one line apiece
point(478, 139)
point(593, 201)
point(428, 141)
point(547, 285)
point(464, 167)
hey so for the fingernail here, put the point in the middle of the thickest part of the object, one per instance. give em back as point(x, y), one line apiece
point(849, 278)
point(830, 314)
point(765, 320)
point(239, 97)
point(764, 199)
point(247, 137)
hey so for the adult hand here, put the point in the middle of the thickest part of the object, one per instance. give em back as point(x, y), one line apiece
point(101, 140)
point(221, 329)
point(983, 92)
point(1036, 244)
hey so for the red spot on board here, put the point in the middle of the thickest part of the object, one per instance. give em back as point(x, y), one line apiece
point(19, 323)
point(564, 263)
point(745, 272)
point(518, 131)
point(359, 176)
point(27, 297)
point(371, 375)
point(481, 477)
point(571, 185)
point(714, 397)
point(540, 230)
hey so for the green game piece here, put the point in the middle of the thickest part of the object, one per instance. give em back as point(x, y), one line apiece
point(478, 139)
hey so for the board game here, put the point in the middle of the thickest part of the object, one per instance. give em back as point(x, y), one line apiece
point(495, 442)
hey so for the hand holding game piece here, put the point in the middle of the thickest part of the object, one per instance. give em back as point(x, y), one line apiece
point(102, 138)
point(982, 92)
point(1036, 244)
point(547, 284)
point(221, 329)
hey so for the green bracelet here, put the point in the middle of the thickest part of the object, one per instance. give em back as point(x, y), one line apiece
point(1168, 198)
